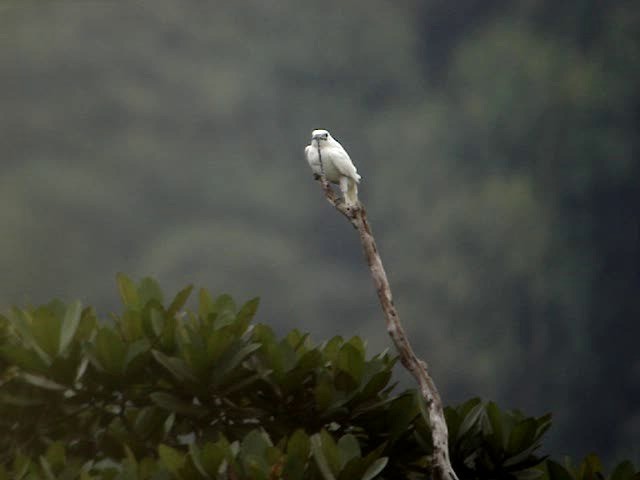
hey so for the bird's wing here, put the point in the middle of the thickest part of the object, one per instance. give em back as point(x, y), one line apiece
point(311, 155)
point(312, 159)
point(343, 163)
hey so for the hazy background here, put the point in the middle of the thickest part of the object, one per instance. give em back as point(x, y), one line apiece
point(497, 140)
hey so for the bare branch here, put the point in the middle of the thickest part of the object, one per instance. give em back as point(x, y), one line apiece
point(357, 216)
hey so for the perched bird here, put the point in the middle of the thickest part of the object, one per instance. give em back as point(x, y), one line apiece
point(336, 163)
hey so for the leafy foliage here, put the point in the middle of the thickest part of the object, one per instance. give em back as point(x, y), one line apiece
point(163, 392)
point(489, 443)
point(590, 469)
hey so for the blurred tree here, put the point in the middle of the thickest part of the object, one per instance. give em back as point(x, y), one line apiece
point(498, 144)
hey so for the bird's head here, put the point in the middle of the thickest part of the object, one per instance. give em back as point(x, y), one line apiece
point(320, 135)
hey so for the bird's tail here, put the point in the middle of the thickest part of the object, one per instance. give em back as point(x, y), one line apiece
point(351, 195)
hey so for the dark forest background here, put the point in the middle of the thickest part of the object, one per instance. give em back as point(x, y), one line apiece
point(497, 140)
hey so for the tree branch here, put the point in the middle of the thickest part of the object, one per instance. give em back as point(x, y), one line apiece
point(357, 216)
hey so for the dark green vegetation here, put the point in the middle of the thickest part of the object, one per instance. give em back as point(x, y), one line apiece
point(498, 143)
point(165, 392)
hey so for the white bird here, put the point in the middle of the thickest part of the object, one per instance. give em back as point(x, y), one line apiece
point(337, 165)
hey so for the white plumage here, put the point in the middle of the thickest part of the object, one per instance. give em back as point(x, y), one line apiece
point(338, 167)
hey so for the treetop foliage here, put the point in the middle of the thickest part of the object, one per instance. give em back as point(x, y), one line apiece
point(162, 391)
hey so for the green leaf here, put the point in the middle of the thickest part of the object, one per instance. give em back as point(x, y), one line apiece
point(623, 471)
point(20, 466)
point(88, 324)
point(212, 455)
point(529, 474)
point(218, 343)
point(255, 443)
point(176, 366)
point(377, 382)
point(401, 412)
point(544, 423)
point(299, 444)
point(225, 303)
point(471, 419)
point(46, 326)
point(354, 468)
point(147, 467)
point(324, 393)
point(497, 426)
point(128, 291)
point(56, 456)
point(22, 400)
point(294, 468)
point(174, 404)
point(148, 421)
point(134, 351)
point(274, 455)
point(194, 455)
point(205, 303)
point(128, 470)
point(590, 466)
point(522, 436)
point(225, 309)
point(320, 458)
point(171, 458)
point(82, 368)
point(22, 322)
point(131, 325)
point(236, 385)
point(525, 460)
point(332, 347)
point(42, 382)
point(23, 357)
point(557, 471)
point(296, 339)
point(331, 451)
point(180, 300)
point(168, 423)
point(422, 408)
point(168, 335)
point(359, 345)
point(255, 452)
point(524, 457)
point(227, 365)
point(110, 351)
point(46, 469)
point(375, 468)
point(157, 321)
point(148, 290)
point(351, 361)
point(247, 312)
point(309, 361)
point(129, 454)
point(195, 358)
point(348, 447)
point(70, 324)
